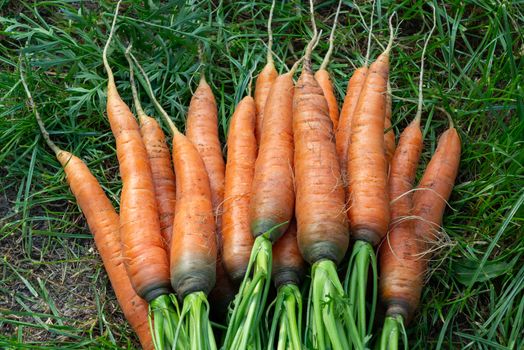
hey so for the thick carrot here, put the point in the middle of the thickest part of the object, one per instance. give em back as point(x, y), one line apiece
point(323, 79)
point(271, 209)
point(240, 168)
point(193, 248)
point(160, 162)
point(368, 192)
point(202, 131)
point(145, 258)
point(265, 80)
point(103, 222)
point(401, 264)
point(288, 272)
point(323, 235)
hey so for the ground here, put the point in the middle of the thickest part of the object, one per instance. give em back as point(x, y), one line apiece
point(53, 289)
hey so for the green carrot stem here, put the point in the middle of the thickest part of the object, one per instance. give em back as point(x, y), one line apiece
point(195, 319)
point(164, 323)
point(287, 318)
point(330, 309)
point(393, 327)
point(249, 304)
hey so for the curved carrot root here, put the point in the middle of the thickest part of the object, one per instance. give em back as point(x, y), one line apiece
point(104, 223)
point(159, 160)
point(240, 167)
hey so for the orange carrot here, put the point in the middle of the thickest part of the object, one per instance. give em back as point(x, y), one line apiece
point(323, 79)
point(288, 264)
point(193, 248)
point(160, 162)
point(240, 167)
point(271, 209)
point(368, 192)
point(145, 258)
point(103, 222)
point(353, 90)
point(202, 131)
point(322, 227)
point(265, 80)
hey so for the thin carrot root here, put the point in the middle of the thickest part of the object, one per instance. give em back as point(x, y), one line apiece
point(287, 318)
point(393, 329)
point(330, 320)
point(362, 257)
point(242, 331)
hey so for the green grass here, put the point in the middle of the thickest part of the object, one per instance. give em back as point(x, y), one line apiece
point(53, 289)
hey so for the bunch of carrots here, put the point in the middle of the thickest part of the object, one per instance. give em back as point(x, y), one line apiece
point(302, 183)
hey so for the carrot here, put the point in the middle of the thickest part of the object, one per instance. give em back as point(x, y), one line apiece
point(323, 79)
point(145, 258)
point(367, 173)
point(240, 168)
point(160, 162)
point(103, 222)
point(401, 266)
point(193, 248)
point(271, 209)
point(265, 79)
point(353, 90)
point(322, 227)
point(288, 272)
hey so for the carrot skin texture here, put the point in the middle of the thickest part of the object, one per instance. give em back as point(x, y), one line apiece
point(389, 136)
point(202, 131)
point(273, 194)
point(194, 244)
point(263, 85)
point(240, 168)
point(401, 267)
point(320, 198)
point(103, 222)
point(143, 248)
point(343, 131)
point(367, 167)
point(163, 174)
point(434, 189)
point(288, 264)
point(323, 79)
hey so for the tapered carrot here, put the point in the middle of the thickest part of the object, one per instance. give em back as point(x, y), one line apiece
point(288, 272)
point(145, 258)
point(323, 79)
point(103, 222)
point(240, 168)
point(265, 79)
point(367, 172)
point(401, 266)
point(193, 248)
point(271, 209)
point(160, 162)
point(322, 227)
point(353, 90)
